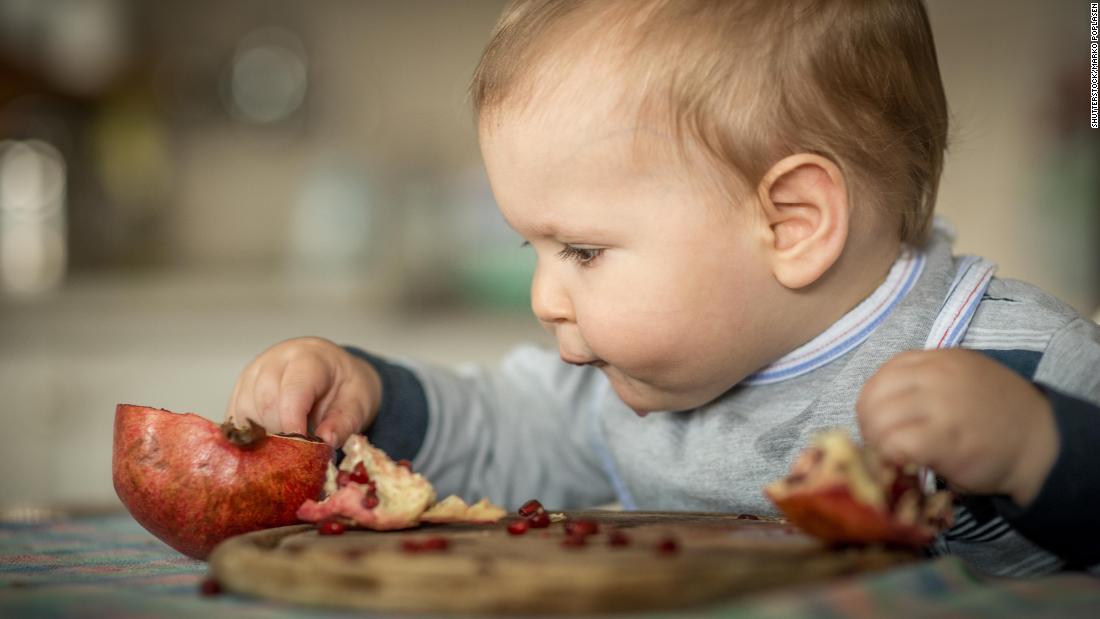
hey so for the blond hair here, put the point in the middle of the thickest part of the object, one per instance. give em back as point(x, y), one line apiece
point(752, 81)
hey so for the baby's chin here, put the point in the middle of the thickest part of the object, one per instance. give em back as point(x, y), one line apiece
point(644, 398)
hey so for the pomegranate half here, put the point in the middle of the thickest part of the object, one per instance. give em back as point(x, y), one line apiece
point(193, 483)
point(846, 494)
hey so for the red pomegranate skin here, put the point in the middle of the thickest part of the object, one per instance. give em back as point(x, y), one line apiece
point(832, 514)
point(190, 486)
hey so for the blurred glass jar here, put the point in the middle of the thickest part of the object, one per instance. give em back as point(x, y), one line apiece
point(33, 250)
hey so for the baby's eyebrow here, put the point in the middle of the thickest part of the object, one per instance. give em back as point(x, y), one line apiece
point(552, 230)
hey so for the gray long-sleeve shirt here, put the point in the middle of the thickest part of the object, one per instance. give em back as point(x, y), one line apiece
point(535, 427)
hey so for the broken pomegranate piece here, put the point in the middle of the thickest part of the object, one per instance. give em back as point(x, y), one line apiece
point(844, 494)
point(401, 496)
point(372, 491)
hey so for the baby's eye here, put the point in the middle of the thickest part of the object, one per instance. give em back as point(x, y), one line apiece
point(581, 255)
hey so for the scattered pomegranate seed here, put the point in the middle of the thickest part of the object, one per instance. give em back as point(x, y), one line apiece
point(371, 501)
point(429, 544)
point(539, 520)
point(435, 543)
point(531, 507)
point(618, 538)
point(574, 541)
point(405, 463)
point(518, 527)
point(668, 546)
point(582, 527)
point(342, 479)
point(359, 474)
point(210, 586)
point(331, 527)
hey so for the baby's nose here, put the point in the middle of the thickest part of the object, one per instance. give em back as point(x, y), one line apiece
point(549, 300)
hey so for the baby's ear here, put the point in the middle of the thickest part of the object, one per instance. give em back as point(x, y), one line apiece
point(805, 204)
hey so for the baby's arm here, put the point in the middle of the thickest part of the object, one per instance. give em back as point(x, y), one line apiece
point(1024, 453)
point(525, 429)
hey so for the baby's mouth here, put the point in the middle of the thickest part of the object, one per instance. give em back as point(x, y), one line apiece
point(580, 362)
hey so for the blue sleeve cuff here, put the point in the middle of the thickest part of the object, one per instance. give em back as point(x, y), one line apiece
point(402, 421)
point(1064, 517)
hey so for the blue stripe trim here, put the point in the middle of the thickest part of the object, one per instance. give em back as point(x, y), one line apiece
point(960, 273)
point(770, 376)
point(959, 330)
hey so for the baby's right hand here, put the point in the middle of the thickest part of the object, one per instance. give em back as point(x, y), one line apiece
point(304, 383)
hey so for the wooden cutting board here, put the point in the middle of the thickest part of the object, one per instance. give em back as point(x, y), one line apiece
point(486, 570)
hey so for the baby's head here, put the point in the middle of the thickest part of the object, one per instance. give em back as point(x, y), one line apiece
point(708, 183)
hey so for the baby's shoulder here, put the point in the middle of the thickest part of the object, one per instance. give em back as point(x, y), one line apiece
point(1017, 315)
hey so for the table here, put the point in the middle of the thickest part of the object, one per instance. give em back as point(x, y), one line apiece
point(108, 566)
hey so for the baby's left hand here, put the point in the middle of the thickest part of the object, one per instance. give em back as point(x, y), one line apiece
point(975, 422)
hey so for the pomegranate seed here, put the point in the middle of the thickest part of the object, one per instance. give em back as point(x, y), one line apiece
point(405, 463)
point(539, 520)
point(668, 546)
point(618, 538)
point(574, 541)
point(531, 507)
point(331, 527)
point(342, 479)
point(582, 527)
point(210, 586)
point(371, 501)
point(427, 545)
point(435, 543)
point(518, 527)
point(359, 474)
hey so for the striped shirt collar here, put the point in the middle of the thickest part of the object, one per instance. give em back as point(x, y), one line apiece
point(852, 329)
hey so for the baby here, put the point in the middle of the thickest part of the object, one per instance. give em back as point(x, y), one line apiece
point(731, 206)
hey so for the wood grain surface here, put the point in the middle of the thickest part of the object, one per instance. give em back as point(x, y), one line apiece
point(486, 570)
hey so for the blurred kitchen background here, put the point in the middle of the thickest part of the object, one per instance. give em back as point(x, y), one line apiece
point(185, 182)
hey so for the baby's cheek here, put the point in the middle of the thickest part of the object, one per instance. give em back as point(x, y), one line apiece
point(638, 341)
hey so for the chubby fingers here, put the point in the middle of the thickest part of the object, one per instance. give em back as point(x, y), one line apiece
point(888, 400)
point(301, 386)
point(242, 403)
point(899, 414)
point(352, 405)
point(337, 424)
